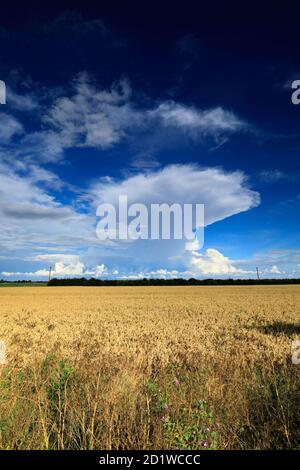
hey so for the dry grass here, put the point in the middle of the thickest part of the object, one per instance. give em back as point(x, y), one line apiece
point(149, 367)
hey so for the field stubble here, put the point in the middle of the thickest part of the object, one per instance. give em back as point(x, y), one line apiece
point(149, 368)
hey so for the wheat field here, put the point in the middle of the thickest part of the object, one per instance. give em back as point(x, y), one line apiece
point(149, 367)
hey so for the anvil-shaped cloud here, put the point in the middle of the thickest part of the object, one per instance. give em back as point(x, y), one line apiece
point(37, 219)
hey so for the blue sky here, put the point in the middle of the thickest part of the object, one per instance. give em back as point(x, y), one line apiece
point(182, 105)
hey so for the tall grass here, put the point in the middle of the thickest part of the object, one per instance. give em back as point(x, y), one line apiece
point(55, 404)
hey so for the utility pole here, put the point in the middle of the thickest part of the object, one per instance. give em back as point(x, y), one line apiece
point(50, 269)
point(257, 274)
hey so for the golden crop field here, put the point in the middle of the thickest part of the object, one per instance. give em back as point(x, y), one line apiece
point(149, 367)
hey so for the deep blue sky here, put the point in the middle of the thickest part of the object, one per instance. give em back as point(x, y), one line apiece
point(168, 94)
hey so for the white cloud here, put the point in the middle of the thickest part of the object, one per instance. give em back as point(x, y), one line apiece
point(61, 270)
point(100, 270)
point(275, 270)
point(9, 128)
point(161, 273)
point(56, 257)
point(42, 146)
point(90, 116)
point(214, 122)
point(281, 260)
point(19, 102)
point(38, 174)
point(214, 262)
point(164, 273)
point(101, 118)
point(223, 193)
point(31, 216)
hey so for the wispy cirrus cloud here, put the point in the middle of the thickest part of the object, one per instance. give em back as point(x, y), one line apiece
point(21, 102)
point(91, 117)
point(86, 115)
point(10, 127)
point(215, 122)
point(272, 175)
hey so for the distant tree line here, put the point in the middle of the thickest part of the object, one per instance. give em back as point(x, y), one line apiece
point(168, 282)
point(22, 281)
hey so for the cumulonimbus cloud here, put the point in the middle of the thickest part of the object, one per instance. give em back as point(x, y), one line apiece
point(223, 193)
point(32, 217)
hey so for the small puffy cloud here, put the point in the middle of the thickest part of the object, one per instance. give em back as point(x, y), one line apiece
point(61, 270)
point(99, 270)
point(161, 273)
point(214, 262)
point(275, 270)
point(71, 269)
